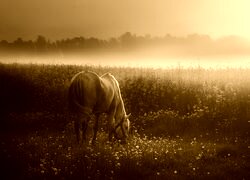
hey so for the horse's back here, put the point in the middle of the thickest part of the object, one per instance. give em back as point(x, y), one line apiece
point(109, 83)
point(99, 94)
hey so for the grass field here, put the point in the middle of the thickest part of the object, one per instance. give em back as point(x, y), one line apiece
point(186, 124)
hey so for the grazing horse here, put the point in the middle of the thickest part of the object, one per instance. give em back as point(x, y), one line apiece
point(92, 94)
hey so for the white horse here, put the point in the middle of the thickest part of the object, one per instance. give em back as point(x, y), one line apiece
point(90, 94)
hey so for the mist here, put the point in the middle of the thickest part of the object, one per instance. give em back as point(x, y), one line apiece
point(128, 49)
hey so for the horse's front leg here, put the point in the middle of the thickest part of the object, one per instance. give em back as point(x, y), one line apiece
point(111, 124)
point(111, 132)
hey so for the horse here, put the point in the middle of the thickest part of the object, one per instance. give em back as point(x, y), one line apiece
point(90, 94)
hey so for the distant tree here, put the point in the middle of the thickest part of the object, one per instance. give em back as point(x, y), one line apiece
point(93, 43)
point(77, 43)
point(143, 40)
point(81, 41)
point(127, 39)
point(41, 43)
point(198, 38)
point(169, 39)
point(28, 45)
point(18, 43)
point(4, 44)
point(113, 42)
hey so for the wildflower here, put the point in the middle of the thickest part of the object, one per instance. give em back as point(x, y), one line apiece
point(54, 169)
point(197, 157)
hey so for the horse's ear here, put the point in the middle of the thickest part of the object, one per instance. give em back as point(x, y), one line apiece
point(128, 115)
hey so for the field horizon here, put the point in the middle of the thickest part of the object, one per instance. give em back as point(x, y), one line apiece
point(131, 59)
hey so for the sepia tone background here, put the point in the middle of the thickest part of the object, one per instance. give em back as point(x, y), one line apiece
point(184, 72)
point(110, 18)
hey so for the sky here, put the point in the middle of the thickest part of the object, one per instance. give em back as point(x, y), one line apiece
point(57, 19)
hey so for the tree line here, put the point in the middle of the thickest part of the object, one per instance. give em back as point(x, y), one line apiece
point(126, 41)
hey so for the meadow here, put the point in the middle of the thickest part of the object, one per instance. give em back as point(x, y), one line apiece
point(186, 124)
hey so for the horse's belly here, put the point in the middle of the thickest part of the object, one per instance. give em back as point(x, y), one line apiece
point(103, 108)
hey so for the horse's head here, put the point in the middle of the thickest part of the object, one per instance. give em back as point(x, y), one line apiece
point(126, 123)
point(122, 131)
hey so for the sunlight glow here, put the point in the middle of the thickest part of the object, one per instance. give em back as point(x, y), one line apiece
point(138, 62)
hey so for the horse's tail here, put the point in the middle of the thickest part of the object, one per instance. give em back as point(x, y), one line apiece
point(82, 110)
point(75, 106)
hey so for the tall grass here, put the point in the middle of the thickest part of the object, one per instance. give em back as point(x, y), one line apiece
point(183, 98)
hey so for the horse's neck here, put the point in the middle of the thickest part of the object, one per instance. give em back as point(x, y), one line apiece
point(121, 109)
point(110, 79)
point(121, 103)
point(104, 85)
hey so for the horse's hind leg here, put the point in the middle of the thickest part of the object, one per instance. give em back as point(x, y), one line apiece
point(81, 126)
point(84, 127)
point(77, 130)
point(95, 128)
